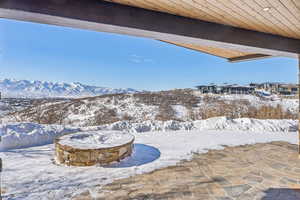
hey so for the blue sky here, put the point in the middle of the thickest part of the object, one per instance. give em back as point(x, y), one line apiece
point(42, 52)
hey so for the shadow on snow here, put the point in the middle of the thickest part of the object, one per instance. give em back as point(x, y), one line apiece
point(142, 154)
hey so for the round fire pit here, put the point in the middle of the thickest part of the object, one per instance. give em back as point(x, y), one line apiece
point(91, 148)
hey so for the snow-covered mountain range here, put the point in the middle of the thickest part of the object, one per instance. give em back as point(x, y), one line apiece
point(44, 89)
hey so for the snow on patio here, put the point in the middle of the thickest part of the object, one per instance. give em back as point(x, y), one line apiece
point(30, 173)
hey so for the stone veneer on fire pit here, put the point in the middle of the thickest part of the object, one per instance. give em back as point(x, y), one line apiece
point(91, 148)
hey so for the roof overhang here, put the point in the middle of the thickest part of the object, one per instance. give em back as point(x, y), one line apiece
point(229, 54)
point(110, 17)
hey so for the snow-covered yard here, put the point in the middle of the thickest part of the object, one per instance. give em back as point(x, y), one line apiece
point(30, 173)
point(20, 135)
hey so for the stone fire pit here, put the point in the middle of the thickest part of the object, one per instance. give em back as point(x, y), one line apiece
point(91, 148)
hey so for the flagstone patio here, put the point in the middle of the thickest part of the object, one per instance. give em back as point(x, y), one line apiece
point(260, 171)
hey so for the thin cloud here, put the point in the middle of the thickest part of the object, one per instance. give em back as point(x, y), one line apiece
point(139, 59)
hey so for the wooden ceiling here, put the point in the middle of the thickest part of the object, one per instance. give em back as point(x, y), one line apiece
point(223, 53)
point(232, 29)
point(278, 17)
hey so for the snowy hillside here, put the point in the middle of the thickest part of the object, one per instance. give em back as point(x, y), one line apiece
point(43, 89)
point(177, 105)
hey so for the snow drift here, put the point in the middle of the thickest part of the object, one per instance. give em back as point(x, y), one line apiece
point(20, 135)
point(216, 123)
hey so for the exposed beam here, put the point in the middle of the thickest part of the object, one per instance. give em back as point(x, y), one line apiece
point(103, 16)
point(248, 58)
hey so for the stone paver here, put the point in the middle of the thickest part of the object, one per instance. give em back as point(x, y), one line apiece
point(260, 171)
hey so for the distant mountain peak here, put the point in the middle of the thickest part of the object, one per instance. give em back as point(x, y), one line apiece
point(47, 89)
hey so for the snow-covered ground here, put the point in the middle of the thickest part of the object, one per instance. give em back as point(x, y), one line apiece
point(20, 135)
point(30, 174)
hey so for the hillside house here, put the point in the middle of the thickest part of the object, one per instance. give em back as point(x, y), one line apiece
point(277, 88)
point(288, 89)
point(225, 89)
point(205, 89)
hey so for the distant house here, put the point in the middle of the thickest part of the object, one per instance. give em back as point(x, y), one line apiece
point(288, 89)
point(277, 88)
point(271, 87)
point(204, 89)
point(238, 89)
point(226, 89)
